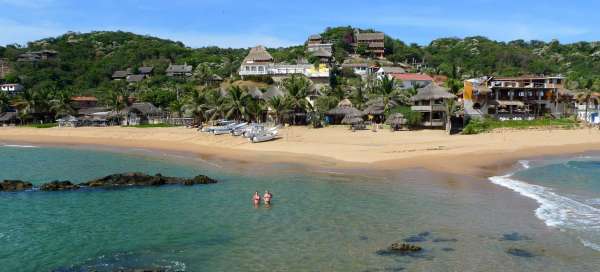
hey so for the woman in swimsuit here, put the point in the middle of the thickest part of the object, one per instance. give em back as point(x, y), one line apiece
point(256, 199)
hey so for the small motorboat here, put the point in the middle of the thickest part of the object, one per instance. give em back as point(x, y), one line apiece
point(228, 129)
point(265, 135)
point(218, 125)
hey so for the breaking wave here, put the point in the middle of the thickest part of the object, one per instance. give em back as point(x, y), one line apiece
point(556, 210)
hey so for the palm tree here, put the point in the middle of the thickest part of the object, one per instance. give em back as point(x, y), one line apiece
point(216, 104)
point(236, 103)
point(256, 108)
point(385, 90)
point(451, 108)
point(197, 104)
point(61, 105)
point(25, 105)
point(4, 101)
point(297, 91)
point(117, 100)
point(177, 106)
point(278, 105)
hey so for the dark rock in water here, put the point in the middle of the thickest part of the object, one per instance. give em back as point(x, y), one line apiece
point(139, 179)
point(14, 185)
point(520, 253)
point(448, 249)
point(515, 236)
point(59, 186)
point(400, 249)
point(363, 238)
point(442, 240)
point(424, 234)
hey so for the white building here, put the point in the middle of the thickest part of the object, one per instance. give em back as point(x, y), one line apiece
point(12, 89)
point(260, 63)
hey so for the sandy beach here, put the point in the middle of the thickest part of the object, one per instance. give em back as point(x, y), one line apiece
point(336, 146)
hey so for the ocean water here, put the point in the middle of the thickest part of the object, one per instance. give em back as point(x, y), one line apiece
point(568, 193)
point(320, 219)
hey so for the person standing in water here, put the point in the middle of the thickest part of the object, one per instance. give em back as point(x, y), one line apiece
point(267, 197)
point(256, 199)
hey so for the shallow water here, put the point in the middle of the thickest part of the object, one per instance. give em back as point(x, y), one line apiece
point(318, 222)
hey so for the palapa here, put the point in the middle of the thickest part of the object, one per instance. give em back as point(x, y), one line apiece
point(432, 92)
point(396, 119)
point(352, 119)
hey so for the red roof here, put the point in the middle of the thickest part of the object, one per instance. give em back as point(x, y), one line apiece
point(412, 77)
point(84, 98)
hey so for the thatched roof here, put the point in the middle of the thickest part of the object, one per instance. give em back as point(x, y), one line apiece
point(345, 103)
point(258, 54)
point(8, 116)
point(120, 74)
point(273, 91)
point(565, 92)
point(345, 111)
point(352, 119)
point(179, 68)
point(374, 109)
point(135, 78)
point(432, 92)
point(321, 53)
point(145, 70)
point(396, 119)
point(255, 92)
point(143, 108)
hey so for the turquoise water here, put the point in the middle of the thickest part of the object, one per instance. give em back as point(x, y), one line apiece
point(319, 221)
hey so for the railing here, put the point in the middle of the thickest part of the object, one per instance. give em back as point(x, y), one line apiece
point(428, 108)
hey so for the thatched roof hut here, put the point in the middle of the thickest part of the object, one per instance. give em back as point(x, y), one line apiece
point(352, 119)
point(258, 54)
point(432, 92)
point(374, 109)
point(396, 119)
point(345, 108)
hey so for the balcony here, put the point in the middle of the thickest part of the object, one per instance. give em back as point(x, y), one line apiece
point(253, 73)
point(428, 108)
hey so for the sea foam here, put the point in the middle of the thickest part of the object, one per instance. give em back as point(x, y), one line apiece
point(20, 146)
point(556, 210)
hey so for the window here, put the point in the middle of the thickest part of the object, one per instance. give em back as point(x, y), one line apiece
point(261, 69)
point(253, 68)
point(247, 68)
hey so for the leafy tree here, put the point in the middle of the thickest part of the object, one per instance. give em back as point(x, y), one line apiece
point(297, 90)
point(61, 105)
point(236, 103)
point(278, 106)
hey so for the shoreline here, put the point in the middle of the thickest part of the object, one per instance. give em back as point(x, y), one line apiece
point(460, 154)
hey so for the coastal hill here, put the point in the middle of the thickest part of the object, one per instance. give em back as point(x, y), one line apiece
point(86, 61)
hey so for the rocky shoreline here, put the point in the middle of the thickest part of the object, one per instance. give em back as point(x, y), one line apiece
point(114, 181)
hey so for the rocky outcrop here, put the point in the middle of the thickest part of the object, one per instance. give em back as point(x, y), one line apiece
point(14, 186)
point(59, 186)
point(111, 181)
point(397, 247)
point(139, 179)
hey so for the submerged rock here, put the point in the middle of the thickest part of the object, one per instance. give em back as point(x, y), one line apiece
point(15, 185)
point(139, 179)
point(520, 253)
point(400, 249)
point(515, 236)
point(111, 181)
point(59, 186)
point(443, 240)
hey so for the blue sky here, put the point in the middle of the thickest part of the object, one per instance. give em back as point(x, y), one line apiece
point(230, 23)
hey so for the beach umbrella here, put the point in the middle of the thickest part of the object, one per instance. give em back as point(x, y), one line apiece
point(352, 119)
point(396, 119)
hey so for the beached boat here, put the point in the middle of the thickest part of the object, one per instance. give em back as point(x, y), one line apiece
point(218, 125)
point(265, 135)
point(229, 128)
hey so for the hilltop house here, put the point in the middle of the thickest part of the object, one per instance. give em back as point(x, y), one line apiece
point(146, 70)
point(389, 71)
point(516, 98)
point(4, 68)
point(33, 56)
point(317, 47)
point(12, 89)
point(372, 41)
point(260, 63)
point(179, 70)
point(410, 80)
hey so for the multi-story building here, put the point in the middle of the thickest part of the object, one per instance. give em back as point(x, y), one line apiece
point(517, 98)
point(372, 41)
point(260, 63)
point(179, 70)
point(319, 48)
point(41, 55)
